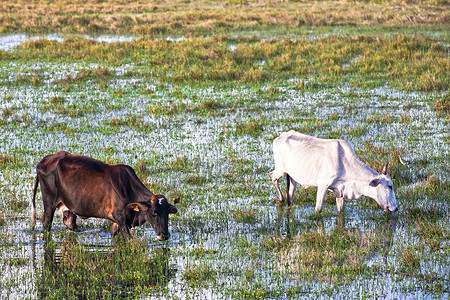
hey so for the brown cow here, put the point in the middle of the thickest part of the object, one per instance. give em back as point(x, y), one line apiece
point(82, 186)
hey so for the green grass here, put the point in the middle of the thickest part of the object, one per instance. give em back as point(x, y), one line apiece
point(200, 252)
point(442, 106)
point(432, 233)
point(245, 215)
point(409, 63)
point(338, 256)
point(133, 121)
point(196, 179)
point(409, 259)
point(58, 105)
point(196, 119)
point(78, 272)
point(10, 161)
point(100, 75)
point(199, 275)
point(250, 127)
point(207, 108)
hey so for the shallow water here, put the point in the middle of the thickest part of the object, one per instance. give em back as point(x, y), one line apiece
point(235, 167)
point(9, 41)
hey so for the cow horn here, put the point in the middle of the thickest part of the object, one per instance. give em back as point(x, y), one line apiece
point(384, 172)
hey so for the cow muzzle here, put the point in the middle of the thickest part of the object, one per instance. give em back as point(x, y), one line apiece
point(389, 210)
point(163, 237)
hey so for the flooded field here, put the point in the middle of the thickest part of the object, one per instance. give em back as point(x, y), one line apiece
point(212, 146)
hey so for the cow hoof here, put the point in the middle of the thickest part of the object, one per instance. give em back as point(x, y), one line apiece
point(279, 201)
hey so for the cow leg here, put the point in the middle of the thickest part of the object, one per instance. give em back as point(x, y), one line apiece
point(47, 219)
point(114, 229)
point(340, 204)
point(274, 176)
point(321, 192)
point(124, 231)
point(290, 189)
point(120, 226)
point(49, 201)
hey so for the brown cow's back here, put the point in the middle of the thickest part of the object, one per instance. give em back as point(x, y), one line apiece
point(89, 187)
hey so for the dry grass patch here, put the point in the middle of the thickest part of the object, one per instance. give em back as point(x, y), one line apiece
point(199, 17)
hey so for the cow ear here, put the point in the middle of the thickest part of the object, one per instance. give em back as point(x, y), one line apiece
point(176, 200)
point(374, 182)
point(136, 206)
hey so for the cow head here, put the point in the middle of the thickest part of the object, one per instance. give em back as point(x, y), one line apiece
point(156, 212)
point(382, 190)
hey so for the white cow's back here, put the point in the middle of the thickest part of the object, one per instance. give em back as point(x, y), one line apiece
point(311, 161)
point(303, 157)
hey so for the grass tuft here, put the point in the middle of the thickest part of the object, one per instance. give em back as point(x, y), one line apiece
point(199, 275)
point(245, 215)
point(200, 252)
point(10, 161)
point(251, 127)
point(273, 243)
point(431, 233)
point(442, 106)
point(409, 259)
point(196, 179)
point(424, 214)
point(133, 121)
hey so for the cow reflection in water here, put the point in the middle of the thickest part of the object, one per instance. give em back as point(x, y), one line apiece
point(73, 270)
point(323, 254)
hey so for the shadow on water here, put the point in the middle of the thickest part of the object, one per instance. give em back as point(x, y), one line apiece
point(285, 221)
point(128, 269)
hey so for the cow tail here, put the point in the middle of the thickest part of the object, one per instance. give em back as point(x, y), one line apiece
point(33, 204)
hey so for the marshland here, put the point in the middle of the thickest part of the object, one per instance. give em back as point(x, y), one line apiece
point(191, 94)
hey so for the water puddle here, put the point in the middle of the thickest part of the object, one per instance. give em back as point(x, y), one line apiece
point(227, 226)
point(9, 41)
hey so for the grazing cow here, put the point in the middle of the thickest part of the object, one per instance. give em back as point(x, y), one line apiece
point(81, 186)
point(328, 165)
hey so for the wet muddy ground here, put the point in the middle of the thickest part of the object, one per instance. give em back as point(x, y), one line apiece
point(213, 147)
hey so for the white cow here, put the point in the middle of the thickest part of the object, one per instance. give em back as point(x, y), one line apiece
point(329, 165)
